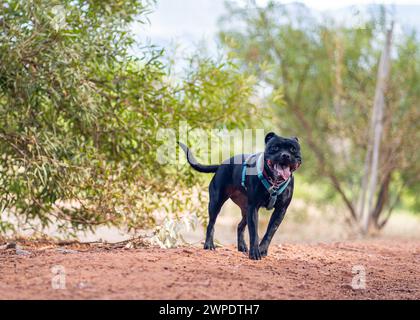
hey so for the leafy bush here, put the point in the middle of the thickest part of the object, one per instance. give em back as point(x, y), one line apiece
point(79, 115)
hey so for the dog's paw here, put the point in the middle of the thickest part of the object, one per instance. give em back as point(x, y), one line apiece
point(242, 247)
point(254, 253)
point(263, 251)
point(209, 246)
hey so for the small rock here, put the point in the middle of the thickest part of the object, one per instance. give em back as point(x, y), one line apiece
point(129, 245)
point(152, 259)
point(21, 252)
point(208, 282)
point(82, 285)
point(347, 286)
point(301, 286)
point(11, 245)
point(66, 251)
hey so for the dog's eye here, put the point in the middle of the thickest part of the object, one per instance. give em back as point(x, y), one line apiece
point(274, 148)
point(293, 149)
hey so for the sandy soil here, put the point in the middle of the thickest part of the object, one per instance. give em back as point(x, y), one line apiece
point(291, 271)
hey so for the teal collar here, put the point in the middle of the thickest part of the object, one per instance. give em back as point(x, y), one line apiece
point(270, 188)
point(273, 190)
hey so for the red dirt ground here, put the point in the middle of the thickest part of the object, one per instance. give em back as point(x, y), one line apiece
point(291, 271)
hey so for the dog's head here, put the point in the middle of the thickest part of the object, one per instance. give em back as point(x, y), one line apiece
point(282, 155)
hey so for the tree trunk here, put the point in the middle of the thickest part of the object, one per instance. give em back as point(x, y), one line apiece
point(381, 201)
point(376, 131)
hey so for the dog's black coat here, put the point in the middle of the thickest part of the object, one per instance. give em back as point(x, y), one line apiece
point(226, 183)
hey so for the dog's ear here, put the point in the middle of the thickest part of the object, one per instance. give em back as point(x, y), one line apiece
point(295, 138)
point(269, 136)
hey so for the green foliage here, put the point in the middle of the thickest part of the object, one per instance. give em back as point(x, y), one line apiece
point(79, 115)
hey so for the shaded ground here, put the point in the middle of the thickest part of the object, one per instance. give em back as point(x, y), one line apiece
point(292, 271)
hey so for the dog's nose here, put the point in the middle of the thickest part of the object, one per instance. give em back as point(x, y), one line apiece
point(285, 156)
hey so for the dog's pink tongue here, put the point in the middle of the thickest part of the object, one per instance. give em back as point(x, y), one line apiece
point(285, 172)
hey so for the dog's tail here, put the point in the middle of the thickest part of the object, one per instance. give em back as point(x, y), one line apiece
point(193, 162)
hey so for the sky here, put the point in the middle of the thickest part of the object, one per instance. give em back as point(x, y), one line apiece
point(328, 4)
point(188, 23)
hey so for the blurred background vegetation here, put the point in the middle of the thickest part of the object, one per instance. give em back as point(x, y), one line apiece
point(80, 113)
point(327, 75)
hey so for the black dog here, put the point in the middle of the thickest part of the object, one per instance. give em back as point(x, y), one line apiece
point(253, 181)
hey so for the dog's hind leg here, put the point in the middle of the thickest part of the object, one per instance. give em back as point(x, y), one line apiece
point(217, 199)
point(241, 228)
point(240, 199)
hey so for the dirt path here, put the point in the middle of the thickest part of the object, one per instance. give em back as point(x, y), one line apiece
point(292, 271)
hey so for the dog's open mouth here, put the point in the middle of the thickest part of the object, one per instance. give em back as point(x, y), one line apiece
point(283, 170)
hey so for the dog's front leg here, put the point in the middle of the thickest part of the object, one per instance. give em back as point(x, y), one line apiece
point(252, 221)
point(275, 221)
